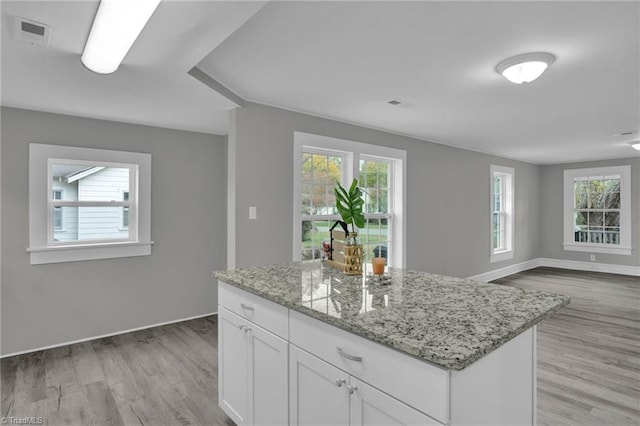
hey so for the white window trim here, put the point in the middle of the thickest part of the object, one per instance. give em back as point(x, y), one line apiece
point(509, 202)
point(569, 244)
point(325, 144)
point(41, 251)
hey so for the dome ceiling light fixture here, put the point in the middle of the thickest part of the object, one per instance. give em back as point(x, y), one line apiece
point(525, 68)
point(635, 145)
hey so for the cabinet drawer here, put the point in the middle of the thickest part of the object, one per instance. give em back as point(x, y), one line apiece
point(417, 383)
point(266, 314)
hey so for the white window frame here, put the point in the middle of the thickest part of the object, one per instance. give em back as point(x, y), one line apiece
point(352, 152)
point(508, 202)
point(42, 249)
point(569, 244)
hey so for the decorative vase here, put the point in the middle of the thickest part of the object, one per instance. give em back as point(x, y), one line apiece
point(353, 255)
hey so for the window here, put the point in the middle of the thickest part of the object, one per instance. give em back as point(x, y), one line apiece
point(98, 205)
point(57, 211)
point(124, 215)
point(320, 162)
point(501, 213)
point(597, 205)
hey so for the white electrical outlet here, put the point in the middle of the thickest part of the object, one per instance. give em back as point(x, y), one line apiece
point(253, 214)
point(592, 257)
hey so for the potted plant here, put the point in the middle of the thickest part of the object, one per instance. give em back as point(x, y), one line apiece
point(350, 205)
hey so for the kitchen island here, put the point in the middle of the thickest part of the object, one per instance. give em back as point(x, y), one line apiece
point(302, 343)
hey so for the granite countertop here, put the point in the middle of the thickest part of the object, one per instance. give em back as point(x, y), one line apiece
point(450, 322)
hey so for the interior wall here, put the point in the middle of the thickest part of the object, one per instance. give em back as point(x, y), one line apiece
point(552, 211)
point(448, 222)
point(55, 303)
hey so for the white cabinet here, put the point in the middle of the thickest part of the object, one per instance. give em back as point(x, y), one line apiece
point(321, 394)
point(233, 363)
point(318, 391)
point(252, 372)
point(371, 407)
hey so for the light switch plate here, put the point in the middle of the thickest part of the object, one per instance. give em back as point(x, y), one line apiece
point(253, 214)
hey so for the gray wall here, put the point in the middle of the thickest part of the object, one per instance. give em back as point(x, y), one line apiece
point(552, 205)
point(447, 194)
point(55, 303)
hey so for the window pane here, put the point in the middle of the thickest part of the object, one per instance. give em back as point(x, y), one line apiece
point(612, 219)
point(596, 194)
point(90, 223)
point(314, 233)
point(595, 219)
point(581, 219)
point(374, 181)
point(581, 193)
point(57, 218)
point(89, 182)
point(375, 239)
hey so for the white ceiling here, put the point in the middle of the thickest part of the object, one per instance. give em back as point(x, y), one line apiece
point(345, 60)
point(151, 86)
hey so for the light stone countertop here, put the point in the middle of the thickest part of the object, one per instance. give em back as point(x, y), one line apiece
point(450, 322)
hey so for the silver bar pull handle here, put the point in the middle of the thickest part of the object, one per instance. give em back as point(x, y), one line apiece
point(247, 307)
point(345, 355)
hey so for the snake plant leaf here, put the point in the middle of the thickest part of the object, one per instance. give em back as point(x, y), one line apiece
point(350, 205)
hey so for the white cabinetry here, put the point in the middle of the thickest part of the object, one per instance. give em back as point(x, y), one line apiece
point(321, 394)
point(278, 367)
point(253, 367)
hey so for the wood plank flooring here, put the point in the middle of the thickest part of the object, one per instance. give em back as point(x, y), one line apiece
point(161, 376)
point(588, 365)
point(589, 352)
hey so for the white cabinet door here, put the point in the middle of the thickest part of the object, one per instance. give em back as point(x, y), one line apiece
point(268, 378)
point(370, 407)
point(233, 363)
point(317, 390)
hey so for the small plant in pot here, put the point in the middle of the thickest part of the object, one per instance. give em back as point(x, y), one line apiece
point(350, 204)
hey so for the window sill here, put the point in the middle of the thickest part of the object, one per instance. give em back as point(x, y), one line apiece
point(80, 252)
point(500, 256)
point(597, 248)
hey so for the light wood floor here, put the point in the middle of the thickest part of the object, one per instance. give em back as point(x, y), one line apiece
point(161, 376)
point(588, 365)
point(589, 352)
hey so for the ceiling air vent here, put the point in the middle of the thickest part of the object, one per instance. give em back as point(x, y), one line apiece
point(32, 32)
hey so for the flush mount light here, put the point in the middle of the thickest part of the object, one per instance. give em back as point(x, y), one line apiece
point(635, 145)
point(115, 27)
point(525, 68)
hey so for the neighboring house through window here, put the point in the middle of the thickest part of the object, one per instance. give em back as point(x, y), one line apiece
point(502, 199)
point(597, 210)
point(124, 216)
point(321, 162)
point(98, 205)
point(57, 211)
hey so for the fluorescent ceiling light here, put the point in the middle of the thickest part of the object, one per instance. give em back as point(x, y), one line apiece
point(115, 27)
point(525, 68)
point(636, 145)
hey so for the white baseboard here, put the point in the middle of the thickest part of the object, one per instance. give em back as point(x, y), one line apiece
point(507, 270)
point(591, 266)
point(57, 345)
point(557, 263)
